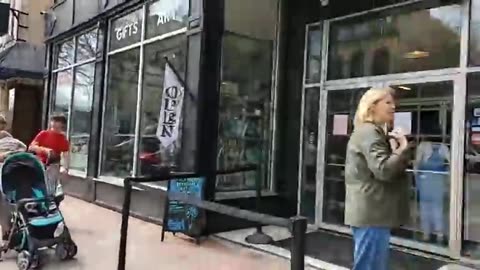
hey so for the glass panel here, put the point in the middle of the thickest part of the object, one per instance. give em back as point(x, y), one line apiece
point(402, 42)
point(309, 166)
point(81, 117)
point(165, 16)
point(471, 229)
point(475, 34)
point(314, 54)
point(126, 30)
point(426, 113)
point(66, 53)
point(87, 46)
point(152, 153)
point(340, 112)
point(119, 121)
point(63, 93)
point(245, 94)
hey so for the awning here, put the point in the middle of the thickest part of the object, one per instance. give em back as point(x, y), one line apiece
point(22, 60)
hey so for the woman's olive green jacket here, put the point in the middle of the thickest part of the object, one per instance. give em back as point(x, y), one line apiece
point(377, 186)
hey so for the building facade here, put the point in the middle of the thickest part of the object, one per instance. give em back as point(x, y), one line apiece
point(22, 57)
point(275, 83)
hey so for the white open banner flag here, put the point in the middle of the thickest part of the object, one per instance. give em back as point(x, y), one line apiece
point(171, 110)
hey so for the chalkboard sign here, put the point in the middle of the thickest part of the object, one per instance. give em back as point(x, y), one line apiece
point(184, 218)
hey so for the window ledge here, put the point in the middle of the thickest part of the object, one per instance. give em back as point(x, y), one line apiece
point(76, 173)
point(119, 183)
point(226, 195)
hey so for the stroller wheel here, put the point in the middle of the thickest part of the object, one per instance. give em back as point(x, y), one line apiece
point(61, 251)
point(35, 262)
point(72, 250)
point(24, 260)
point(66, 250)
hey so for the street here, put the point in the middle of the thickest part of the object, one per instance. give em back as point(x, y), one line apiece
point(96, 231)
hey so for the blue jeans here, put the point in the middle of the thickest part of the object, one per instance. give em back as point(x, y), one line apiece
point(372, 248)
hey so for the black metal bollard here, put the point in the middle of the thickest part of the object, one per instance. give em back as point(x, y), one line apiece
point(299, 229)
point(122, 253)
point(259, 237)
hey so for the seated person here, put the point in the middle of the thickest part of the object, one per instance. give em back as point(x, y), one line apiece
point(9, 145)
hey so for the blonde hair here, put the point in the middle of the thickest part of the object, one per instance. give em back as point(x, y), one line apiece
point(370, 98)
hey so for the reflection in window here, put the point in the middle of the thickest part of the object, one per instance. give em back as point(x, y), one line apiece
point(357, 63)
point(66, 52)
point(416, 41)
point(63, 93)
point(152, 153)
point(81, 116)
point(381, 62)
point(87, 46)
point(245, 94)
point(314, 54)
point(309, 166)
point(166, 16)
point(475, 34)
point(126, 30)
point(119, 119)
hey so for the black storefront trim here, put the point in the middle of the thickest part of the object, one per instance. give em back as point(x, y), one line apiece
point(208, 93)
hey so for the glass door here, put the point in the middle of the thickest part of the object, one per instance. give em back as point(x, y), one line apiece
point(424, 111)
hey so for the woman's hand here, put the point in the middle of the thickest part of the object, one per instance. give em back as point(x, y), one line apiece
point(401, 139)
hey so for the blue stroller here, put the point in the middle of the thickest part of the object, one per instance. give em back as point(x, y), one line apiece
point(36, 221)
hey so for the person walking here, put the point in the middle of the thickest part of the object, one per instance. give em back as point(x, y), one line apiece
point(377, 187)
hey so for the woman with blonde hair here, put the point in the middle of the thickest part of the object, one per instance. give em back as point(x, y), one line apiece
point(375, 179)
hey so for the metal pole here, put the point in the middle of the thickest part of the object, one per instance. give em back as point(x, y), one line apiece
point(259, 237)
point(299, 229)
point(122, 253)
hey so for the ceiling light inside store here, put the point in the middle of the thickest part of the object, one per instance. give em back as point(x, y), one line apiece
point(416, 54)
point(404, 88)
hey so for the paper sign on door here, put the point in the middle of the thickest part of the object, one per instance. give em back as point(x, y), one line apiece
point(340, 124)
point(403, 120)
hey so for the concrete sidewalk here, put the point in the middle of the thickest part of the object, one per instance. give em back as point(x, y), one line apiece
point(96, 231)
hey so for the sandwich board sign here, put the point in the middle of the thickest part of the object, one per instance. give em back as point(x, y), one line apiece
point(180, 217)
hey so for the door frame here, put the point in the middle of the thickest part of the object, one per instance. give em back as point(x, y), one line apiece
point(457, 75)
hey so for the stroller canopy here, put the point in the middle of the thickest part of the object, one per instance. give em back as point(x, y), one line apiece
point(22, 170)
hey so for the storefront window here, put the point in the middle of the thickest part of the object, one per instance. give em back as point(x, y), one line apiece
point(126, 30)
point(65, 56)
point(63, 93)
point(121, 139)
point(86, 46)
point(475, 34)
point(152, 152)
point(246, 91)
point(81, 117)
point(424, 111)
point(314, 54)
point(403, 42)
point(73, 93)
point(120, 111)
point(166, 16)
point(309, 165)
point(471, 229)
